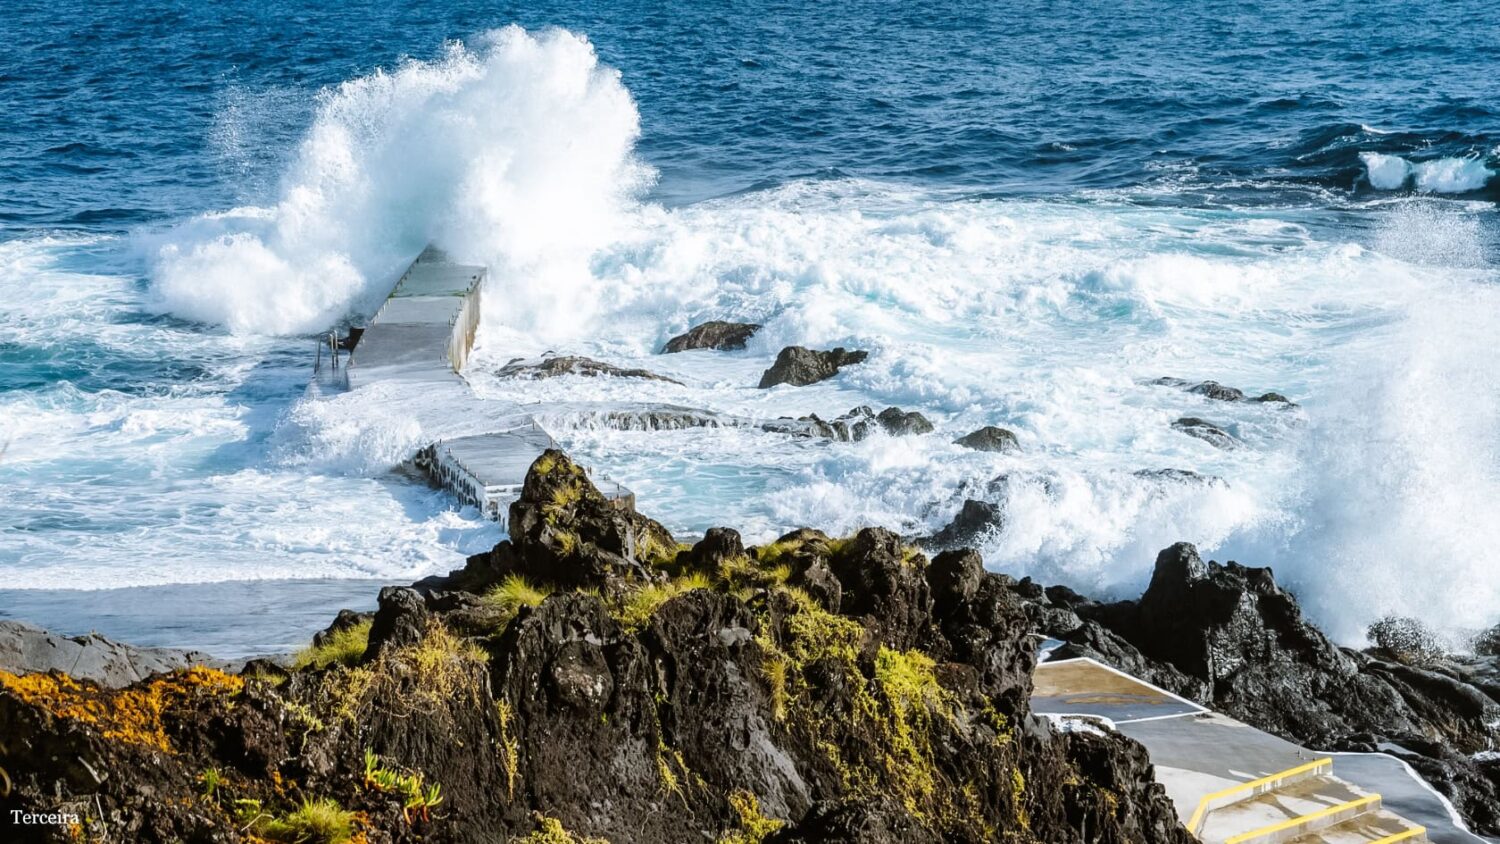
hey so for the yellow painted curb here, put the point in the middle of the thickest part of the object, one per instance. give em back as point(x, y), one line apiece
point(1303, 820)
point(1196, 823)
point(1406, 835)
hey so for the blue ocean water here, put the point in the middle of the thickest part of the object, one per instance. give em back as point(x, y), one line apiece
point(1026, 212)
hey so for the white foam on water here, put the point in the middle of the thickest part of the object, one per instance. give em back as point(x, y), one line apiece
point(1463, 174)
point(514, 151)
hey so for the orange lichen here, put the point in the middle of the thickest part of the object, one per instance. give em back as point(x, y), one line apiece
point(136, 714)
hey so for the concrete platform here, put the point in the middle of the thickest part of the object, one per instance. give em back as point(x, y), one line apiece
point(406, 366)
point(1198, 753)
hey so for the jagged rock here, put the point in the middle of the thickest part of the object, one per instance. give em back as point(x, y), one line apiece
point(974, 520)
point(1488, 642)
point(27, 649)
point(1274, 398)
point(801, 366)
point(715, 334)
point(564, 532)
point(1407, 640)
point(1206, 431)
point(551, 367)
point(990, 438)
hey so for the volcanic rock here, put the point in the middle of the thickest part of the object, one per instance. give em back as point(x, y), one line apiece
point(801, 366)
point(657, 694)
point(990, 438)
point(715, 334)
point(27, 649)
point(974, 519)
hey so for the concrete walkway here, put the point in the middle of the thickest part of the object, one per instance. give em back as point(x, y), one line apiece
point(1270, 790)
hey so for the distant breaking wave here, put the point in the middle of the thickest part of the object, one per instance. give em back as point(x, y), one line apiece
point(1442, 175)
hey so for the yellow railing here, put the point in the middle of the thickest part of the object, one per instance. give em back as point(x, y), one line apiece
point(1195, 825)
point(1357, 805)
point(1405, 835)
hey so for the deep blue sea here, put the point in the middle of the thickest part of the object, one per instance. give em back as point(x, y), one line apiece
point(1026, 212)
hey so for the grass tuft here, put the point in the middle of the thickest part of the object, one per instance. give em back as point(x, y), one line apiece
point(513, 593)
point(314, 822)
point(635, 609)
point(344, 647)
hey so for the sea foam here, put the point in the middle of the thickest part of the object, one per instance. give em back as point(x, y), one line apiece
point(1442, 175)
point(514, 151)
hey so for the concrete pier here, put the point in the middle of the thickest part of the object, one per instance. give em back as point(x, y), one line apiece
point(407, 363)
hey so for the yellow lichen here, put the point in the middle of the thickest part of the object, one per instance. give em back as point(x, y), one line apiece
point(137, 714)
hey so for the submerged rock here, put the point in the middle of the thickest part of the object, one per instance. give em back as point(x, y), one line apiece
point(627, 688)
point(990, 438)
point(715, 334)
point(1219, 392)
point(801, 366)
point(1206, 431)
point(552, 367)
point(853, 426)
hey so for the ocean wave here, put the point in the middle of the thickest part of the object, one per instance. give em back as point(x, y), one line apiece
point(515, 152)
point(1457, 175)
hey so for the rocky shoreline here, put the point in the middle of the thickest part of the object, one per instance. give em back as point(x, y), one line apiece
point(594, 679)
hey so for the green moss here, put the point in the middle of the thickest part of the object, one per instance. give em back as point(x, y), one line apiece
point(551, 831)
point(344, 647)
point(314, 822)
point(754, 826)
point(513, 593)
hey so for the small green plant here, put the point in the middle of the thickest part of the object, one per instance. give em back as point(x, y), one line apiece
point(416, 798)
point(314, 822)
point(209, 781)
point(343, 647)
point(512, 594)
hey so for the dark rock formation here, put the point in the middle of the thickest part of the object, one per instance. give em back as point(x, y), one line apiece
point(812, 689)
point(901, 423)
point(715, 334)
point(1178, 476)
point(990, 438)
point(1206, 431)
point(974, 519)
point(854, 425)
point(26, 649)
point(551, 367)
point(1229, 637)
point(800, 366)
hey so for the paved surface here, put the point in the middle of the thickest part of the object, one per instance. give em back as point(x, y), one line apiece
point(1197, 752)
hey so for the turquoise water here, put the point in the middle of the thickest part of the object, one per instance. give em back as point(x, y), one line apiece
point(1025, 214)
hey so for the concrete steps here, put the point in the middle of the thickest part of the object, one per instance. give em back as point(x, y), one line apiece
point(1306, 805)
